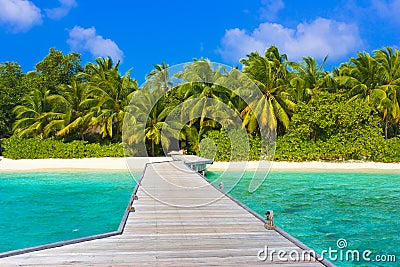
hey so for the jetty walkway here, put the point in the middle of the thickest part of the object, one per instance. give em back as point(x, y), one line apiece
point(176, 218)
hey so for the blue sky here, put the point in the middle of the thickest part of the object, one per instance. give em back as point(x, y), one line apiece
point(142, 33)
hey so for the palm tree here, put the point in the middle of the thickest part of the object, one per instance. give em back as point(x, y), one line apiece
point(201, 80)
point(193, 137)
point(79, 113)
point(103, 70)
point(160, 76)
point(204, 97)
point(40, 115)
point(376, 80)
point(389, 60)
point(269, 73)
point(308, 78)
point(112, 93)
point(145, 121)
point(361, 77)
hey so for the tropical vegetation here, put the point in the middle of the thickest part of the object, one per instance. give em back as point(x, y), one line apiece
point(349, 113)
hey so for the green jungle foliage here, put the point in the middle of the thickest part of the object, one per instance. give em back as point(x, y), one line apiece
point(62, 109)
point(31, 148)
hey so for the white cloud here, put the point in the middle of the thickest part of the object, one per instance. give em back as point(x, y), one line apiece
point(19, 15)
point(81, 39)
point(270, 8)
point(387, 9)
point(318, 38)
point(62, 11)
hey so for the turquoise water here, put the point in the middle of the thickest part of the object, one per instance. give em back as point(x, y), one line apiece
point(44, 207)
point(317, 208)
point(321, 208)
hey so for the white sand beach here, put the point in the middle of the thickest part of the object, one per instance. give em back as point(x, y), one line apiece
point(138, 164)
point(120, 164)
point(348, 166)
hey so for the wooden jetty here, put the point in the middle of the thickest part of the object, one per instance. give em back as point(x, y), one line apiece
point(175, 218)
point(196, 163)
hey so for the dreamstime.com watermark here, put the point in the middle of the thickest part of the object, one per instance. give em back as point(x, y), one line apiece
point(340, 253)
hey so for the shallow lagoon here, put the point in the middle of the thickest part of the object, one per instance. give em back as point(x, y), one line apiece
point(44, 207)
point(317, 208)
point(321, 208)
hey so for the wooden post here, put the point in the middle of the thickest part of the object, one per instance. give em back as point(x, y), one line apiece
point(270, 220)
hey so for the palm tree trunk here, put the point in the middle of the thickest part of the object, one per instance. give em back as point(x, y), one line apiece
point(116, 132)
point(152, 148)
point(386, 128)
point(82, 136)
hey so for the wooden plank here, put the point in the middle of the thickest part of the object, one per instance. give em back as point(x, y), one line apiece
point(180, 220)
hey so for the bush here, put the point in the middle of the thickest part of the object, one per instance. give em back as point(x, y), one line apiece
point(18, 148)
point(241, 150)
point(338, 149)
point(332, 129)
point(367, 146)
point(390, 152)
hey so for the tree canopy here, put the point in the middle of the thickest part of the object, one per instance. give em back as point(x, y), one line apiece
point(355, 103)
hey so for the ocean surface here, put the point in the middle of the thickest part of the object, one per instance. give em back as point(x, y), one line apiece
point(332, 211)
point(43, 207)
point(327, 211)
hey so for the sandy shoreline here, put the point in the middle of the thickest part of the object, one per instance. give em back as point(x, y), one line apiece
point(138, 164)
point(318, 166)
point(113, 164)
